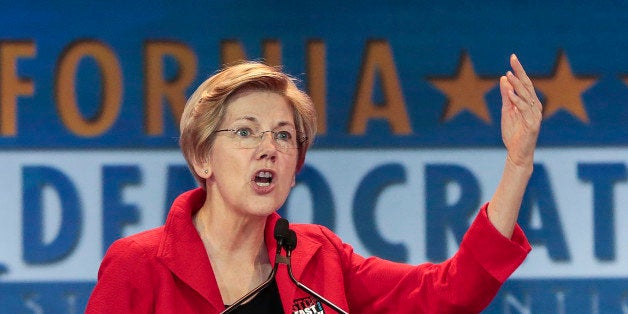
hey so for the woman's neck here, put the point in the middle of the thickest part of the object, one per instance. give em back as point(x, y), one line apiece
point(236, 250)
point(226, 234)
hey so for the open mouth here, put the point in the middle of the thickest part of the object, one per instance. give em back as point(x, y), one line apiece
point(263, 178)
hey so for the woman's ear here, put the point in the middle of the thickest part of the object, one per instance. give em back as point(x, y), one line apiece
point(203, 169)
point(294, 181)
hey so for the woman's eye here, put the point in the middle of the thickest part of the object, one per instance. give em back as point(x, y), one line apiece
point(243, 132)
point(284, 135)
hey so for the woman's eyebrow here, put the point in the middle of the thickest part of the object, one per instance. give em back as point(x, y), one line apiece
point(248, 118)
point(256, 121)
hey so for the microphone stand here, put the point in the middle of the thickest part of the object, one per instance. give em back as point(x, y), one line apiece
point(290, 245)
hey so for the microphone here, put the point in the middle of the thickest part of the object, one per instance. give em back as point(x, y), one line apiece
point(289, 245)
point(281, 233)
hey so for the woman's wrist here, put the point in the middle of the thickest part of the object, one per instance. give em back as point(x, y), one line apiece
point(520, 168)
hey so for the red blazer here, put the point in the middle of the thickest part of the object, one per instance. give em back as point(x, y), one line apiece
point(166, 270)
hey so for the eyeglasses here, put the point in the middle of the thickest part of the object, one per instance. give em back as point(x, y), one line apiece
point(284, 139)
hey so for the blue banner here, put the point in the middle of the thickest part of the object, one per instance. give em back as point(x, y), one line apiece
point(409, 107)
point(412, 74)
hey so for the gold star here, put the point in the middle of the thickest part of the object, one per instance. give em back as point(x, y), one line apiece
point(564, 90)
point(465, 91)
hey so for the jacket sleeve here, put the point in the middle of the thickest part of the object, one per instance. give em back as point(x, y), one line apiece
point(465, 283)
point(124, 281)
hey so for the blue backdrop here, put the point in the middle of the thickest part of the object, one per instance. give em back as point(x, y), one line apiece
point(408, 98)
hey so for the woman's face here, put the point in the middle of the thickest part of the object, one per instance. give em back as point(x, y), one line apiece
point(249, 176)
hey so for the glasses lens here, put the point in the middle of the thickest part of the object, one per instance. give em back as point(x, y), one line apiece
point(284, 139)
point(247, 142)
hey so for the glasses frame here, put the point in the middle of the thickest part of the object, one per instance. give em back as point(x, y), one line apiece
point(299, 138)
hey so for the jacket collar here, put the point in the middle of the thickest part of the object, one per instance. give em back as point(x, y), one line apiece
point(182, 251)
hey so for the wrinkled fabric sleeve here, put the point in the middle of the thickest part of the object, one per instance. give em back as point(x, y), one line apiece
point(465, 283)
point(124, 281)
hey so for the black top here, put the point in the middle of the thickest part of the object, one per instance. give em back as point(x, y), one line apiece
point(266, 301)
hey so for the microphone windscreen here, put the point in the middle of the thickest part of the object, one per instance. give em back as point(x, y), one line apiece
point(281, 229)
point(291, 241)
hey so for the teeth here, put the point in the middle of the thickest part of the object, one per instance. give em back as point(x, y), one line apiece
point(263, 178)
point(264, 174)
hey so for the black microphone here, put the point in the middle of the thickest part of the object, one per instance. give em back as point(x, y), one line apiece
point(281, 234)
point(282, 231)
point(289, 245)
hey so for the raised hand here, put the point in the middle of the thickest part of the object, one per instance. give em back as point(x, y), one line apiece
point(521, 115)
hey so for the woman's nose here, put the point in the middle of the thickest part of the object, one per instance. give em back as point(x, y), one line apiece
point(267, 147)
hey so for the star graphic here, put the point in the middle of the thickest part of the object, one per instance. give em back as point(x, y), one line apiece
point(465, 91)
point(563, 90)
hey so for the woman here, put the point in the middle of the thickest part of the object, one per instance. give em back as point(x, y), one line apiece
point(244, 134)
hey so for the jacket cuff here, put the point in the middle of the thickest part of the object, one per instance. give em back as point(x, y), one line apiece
point(497, 254)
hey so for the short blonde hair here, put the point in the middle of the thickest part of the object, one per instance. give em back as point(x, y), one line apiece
point(206, 108)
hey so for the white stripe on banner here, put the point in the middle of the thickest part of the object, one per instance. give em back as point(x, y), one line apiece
point(575, 217)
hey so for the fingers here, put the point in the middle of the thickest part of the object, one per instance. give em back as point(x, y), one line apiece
point(505, 89)
point(519, 103)
point(523, 88)
point(517, 94)
point(519, 88)
point(521, 73)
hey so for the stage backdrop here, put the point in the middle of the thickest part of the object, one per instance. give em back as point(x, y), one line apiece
point(408, 147)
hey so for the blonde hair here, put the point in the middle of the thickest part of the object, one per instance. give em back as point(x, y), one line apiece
point(206, 108)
